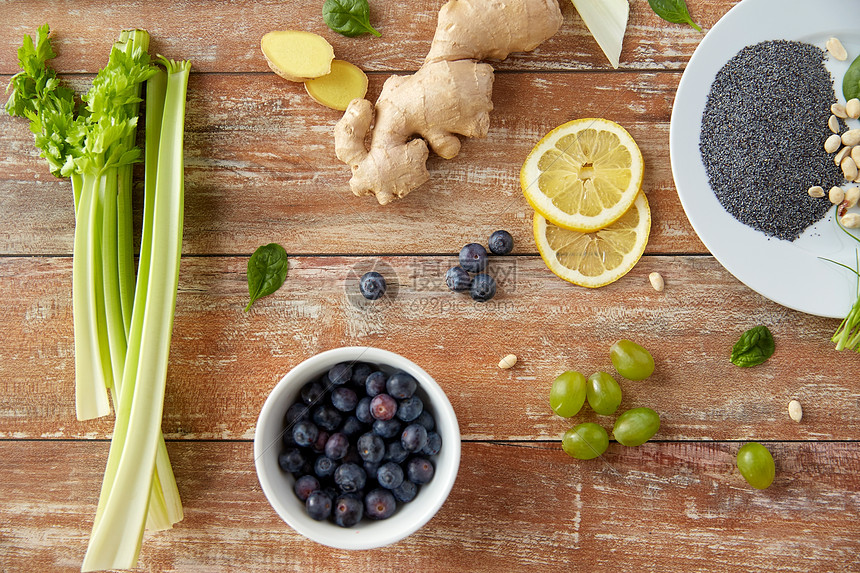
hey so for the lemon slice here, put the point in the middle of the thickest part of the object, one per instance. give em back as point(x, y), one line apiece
point(583, 175)
point(599, 258)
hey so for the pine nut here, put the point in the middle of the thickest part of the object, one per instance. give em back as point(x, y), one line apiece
point(816, 191)
point(838, 110)
point(851, 221)
point(852, 108)
point(832, 143)
point(855, 154)
point(836, 195)
point(850, 137)
point(508, 361)
point(849, 168)
point(852, 195)
point(833, 124)
point(657, 281)
point(836, 49)
point(842, 154)
point(795, 411)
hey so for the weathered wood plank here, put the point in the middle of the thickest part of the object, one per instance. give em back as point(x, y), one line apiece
point(225, 37)
point(514, 507)
point(260, 165)
point(224, 362)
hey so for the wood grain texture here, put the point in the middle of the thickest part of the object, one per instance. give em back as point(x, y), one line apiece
point(224, 362)
point(225, 36)
point(260, 166)
point(514, 507)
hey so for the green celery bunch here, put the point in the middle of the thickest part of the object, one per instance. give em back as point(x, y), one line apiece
point(94, 144)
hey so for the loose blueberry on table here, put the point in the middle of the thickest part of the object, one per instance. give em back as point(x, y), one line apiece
point(359, 443)
point(372, 285)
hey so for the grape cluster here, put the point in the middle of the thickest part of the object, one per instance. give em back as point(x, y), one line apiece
point(358, 442)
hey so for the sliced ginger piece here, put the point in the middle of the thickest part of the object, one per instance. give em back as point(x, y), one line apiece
point(296, 55)
point(345, 83)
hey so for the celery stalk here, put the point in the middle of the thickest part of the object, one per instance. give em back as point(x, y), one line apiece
point(110, 274)
point(90, 391)
point(118, 530)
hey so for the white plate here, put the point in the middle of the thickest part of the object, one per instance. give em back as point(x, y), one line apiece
point(789, 273)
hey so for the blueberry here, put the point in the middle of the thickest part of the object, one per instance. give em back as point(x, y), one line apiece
point(413, 438)
point(371, 448)
point(405, 492)
point(291, 460)
point(483, 288)
point(473, 257)
point(383, 407)
point(425, 418)
point(318, 506)
point(360, 372)
point(312, 392)
point(327, 418)
point(349, 477)
point(458, 279)
point(401, 385)
point(352, 426)
point(410, 408)
point(287, 438)
point(419, 470)
point(395, 452)
point(389, 475)
point(501, 243)
point(372, 285)
point(324, 467)
point(379, 504)
point(296, 412)
point(362, 411)
point(370, 468)
point(340, 373)
point(344, 399)
point(337, 446)
point(433, 445)
point(319, 445)
point(387, 429)
point(305, 486)
point(348, 510)
point(375, 383)
point(305, 433)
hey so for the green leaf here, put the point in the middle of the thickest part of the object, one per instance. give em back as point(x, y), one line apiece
point(754, 347)
point(674, 11)
point(348, 17)
point(851, 81)
point(267, 271)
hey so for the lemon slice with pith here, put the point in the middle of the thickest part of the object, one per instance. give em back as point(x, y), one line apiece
point(598, 258)
point(583, 175)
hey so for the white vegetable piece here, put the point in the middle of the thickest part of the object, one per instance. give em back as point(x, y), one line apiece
point(606, 20)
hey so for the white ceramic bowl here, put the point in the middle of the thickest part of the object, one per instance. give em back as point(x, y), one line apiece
point(278, 485)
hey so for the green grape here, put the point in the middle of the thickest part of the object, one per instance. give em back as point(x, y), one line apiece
point(635, 427)
point(585, 441)
point(631, 360)
point(603, 393)
point(567, 394)
point(756, 465)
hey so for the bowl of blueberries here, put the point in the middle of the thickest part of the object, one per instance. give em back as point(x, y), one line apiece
point(357, 448)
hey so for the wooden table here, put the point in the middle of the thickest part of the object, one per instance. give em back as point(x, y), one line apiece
point(260, 167)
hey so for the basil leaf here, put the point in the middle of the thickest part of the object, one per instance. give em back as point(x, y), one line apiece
point(754, 347)
point(348, 17)
point(851, 81)
point(674, 11)
point(267, 271)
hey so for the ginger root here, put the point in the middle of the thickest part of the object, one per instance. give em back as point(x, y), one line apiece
point(296, 55)
point(449, 95)
point(345, 83)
